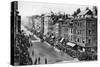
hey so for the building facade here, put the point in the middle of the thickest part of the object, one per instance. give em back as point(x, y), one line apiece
point(85, 30)
point(48, 27)
point(67, 30)
point(81, 30)
point(37, 22)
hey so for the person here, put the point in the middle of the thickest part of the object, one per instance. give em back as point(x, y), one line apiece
point(32, 53)
point(39, 60)
point(35, 62)
point(45, 60)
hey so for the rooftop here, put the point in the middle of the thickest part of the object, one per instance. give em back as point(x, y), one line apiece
point(86, 12)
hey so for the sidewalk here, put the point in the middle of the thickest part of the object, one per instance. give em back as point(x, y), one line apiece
point(36, 37)
point(70, 61)
point(39, 40)
point(52, 47)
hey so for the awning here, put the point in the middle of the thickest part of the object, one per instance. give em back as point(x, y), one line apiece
point(71, 44)
point(61, 39)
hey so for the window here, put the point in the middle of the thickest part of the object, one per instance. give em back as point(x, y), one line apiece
point(71, 37)
point(93, 24)
point(78, 32)
point(83, 41)
point(77, 39)
point(89, 41)
point(80, 24)
point(89, 32)
point(65, 35)
point(71, 30)
point(76, 23)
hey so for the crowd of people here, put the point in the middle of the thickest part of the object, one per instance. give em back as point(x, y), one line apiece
point(62, 45)
point(22, 57)
point(72, 51)
point(21, 54)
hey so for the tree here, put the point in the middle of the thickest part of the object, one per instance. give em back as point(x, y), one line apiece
point(74, 14)
point(78, 11)
point(87, 8)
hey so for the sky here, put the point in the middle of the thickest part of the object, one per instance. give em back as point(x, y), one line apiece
point(28, 8)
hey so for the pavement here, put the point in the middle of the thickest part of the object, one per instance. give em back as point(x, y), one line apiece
point(43, 50)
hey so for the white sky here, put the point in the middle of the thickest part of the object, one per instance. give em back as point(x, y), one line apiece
point(28, 8)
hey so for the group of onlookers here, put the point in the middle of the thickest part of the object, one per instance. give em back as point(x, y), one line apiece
point(62, 45)
point(40, 60)
point(21, 54)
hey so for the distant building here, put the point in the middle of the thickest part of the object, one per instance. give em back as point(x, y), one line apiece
point(81, 30)
point(57, 30)
point(47, 26)
point(66, 30)
point(57, 27)
point(37, 23)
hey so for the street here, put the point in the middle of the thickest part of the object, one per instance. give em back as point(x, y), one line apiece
point(43, 51)
point(46, 33)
